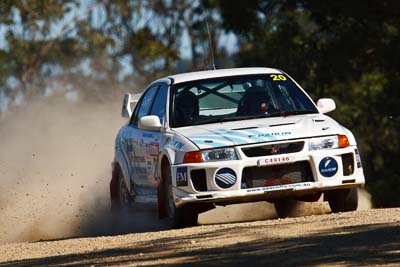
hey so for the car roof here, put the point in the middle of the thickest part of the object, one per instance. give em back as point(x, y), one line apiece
point(200, 75)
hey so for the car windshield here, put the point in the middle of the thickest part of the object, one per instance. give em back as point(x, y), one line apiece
point(237, 98)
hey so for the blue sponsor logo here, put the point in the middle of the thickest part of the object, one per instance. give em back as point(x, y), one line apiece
point(225, 178)
point(271, 134)
point(222, 137)
point(148, 135)
point(181, 176)
point(328, 167)
point(177, 145)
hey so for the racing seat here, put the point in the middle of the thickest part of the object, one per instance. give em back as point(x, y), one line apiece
point(253, 102)
point(186, 109)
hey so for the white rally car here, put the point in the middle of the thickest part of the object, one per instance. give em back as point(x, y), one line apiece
point(220, 137)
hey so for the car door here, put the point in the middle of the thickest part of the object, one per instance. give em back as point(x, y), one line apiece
point(133, 144)
point(149, 141)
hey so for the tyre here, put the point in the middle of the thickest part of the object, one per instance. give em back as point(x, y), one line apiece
point(184, 216)
point(342, 200)
point(125, 199)
point(285, 207)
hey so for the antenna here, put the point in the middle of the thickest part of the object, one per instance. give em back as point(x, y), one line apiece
point(205, 57)
point(209, 37)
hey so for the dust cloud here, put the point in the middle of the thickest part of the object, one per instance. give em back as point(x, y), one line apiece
point(55, 166)
point(265, 210)
point(364, 200)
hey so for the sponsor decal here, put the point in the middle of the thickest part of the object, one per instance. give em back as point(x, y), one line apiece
point(328, 167)
point(275, 160)
point(227, 137)
point(177, 145)
point(129, 144)
point(181, 176)
point(271, 134)
point(223, 137)
point(153, 149)
point(138, 159)
point(279, 187)
point(225, 178)
point(358, 158)
point(148, 135)
point(140, 171)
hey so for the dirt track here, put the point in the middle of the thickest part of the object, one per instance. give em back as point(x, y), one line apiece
point(370, 237)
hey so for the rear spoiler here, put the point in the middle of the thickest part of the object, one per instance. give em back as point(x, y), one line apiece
point(129, 99)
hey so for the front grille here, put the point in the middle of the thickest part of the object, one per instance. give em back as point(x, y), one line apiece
point(199, 180)
point(348, 164)
point(297, 172)
point(273, 149)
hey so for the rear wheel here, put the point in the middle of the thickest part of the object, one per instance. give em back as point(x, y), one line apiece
point(342, 200)
point(286, 207)
point(125, 199)
point(185, 216)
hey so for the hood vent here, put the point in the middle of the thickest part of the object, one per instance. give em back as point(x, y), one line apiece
point(281, 124)
point(246, 128)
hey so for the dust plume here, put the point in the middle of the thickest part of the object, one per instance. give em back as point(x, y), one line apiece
point(239, 213)
point(55, 166)
point(364, 200)
point(265, 210)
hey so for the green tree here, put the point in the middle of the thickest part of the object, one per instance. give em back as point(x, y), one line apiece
point(344, 50)
point(99, 46)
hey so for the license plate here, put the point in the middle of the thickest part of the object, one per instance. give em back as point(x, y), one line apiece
point(275, 160)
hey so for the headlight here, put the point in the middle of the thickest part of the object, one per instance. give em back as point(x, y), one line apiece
point(328, 142)
point(323, 143)
point(210, 155)
point(219, 154)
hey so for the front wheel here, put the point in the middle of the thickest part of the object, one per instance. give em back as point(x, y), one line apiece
point(286, 207)
point(185, 216)
point(342, 200)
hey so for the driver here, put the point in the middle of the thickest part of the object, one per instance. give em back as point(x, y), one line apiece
point(255, 101)
point(186, 109)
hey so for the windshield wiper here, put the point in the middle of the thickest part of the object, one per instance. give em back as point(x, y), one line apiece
point(230, 118)
point(298, 112)
point(249, 117)
point(290, 112)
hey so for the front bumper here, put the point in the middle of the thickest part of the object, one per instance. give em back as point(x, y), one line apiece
point(287, 182)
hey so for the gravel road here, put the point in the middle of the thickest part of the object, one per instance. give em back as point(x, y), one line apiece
point(361, 238)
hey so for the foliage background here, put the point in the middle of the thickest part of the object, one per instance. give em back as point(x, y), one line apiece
point(349, 51)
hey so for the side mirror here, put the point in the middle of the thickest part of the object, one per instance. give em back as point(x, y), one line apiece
point(150, 123)
point(326, 105)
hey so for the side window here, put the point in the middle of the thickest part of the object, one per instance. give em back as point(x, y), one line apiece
point(144, 105)
point(160, 102)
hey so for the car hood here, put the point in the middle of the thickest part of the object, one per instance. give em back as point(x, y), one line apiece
point(259, 130)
